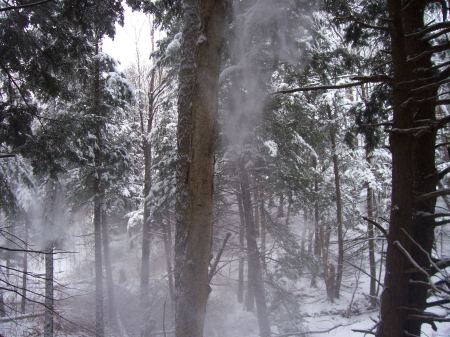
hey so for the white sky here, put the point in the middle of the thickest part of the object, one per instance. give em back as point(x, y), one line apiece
point(135, 32)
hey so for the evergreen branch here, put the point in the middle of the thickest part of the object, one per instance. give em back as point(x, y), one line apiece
point(364, 24)
point(434, 49)
point(10, 8)
point(359, 81)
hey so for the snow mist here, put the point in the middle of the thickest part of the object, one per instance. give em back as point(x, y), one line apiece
point(266, 34)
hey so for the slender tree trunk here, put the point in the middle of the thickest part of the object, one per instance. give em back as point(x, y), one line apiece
point(2, 305)
point(49, 299)
point(280, 212)
point(288, 213)
point(413, 174)
point(240, 292)
point(99, 319)
point(146, 227)
point(305, 231)
point(310, 235)
point(371, 243)
point(256, 207)
point(197, 107)
point(337, 184)
point(317, 235)
point(112, 313)
point(167, 232)
point(263, 219)
point(98, 204)
point(254, 261)
point(25, 269)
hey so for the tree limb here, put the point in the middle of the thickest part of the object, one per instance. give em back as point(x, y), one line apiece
point(359, 81)
point(377, 225)
point(213, 269)
point(10, 8)
point(435, 194)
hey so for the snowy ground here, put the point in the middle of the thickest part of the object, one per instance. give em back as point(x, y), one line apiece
point(314, 316)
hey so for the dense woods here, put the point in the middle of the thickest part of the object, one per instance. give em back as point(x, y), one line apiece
point(268, 168)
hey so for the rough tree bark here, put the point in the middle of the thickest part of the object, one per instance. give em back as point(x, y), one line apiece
point(413, 173)
point(197, 107)
point(254, 261)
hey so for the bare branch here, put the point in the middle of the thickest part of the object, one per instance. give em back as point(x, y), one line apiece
point(7, 155)
point(35, 251)
point(213, 269)
point(429, 29)
point(435, 194)
point(377, 225)
point(362, 80)
point(10, 8)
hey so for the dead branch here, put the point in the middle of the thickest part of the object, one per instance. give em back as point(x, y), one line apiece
point(377, 225)
point(213, 269)
point(435, 194)
point(10, 8)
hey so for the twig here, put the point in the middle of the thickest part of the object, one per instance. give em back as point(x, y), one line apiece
point(10, 8)
point(36, 251)
point(306, 333)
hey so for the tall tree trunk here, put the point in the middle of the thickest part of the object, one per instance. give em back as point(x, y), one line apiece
point(337, 185)
point(317, 235)
point(99, 319)
point(108, 271)
point(23, 301)
point(256, 207)
point(413, 174)
point(263, 231)
point(98, 202)
point(371, 243)
point(167, 233)
point(49, 299)
point(254, 261)
point(240, 291)
point(2, 305)
point(146, 227)
point(197, 107)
